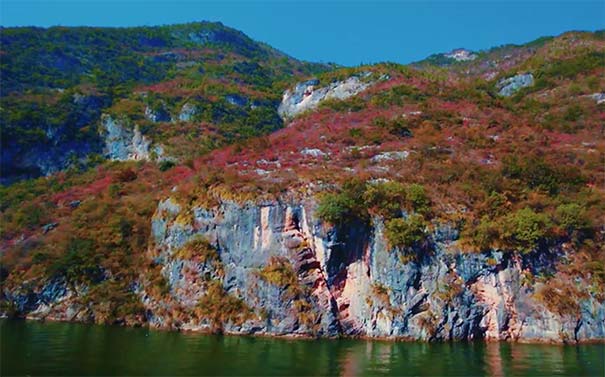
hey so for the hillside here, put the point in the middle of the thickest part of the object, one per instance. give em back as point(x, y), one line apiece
point(186, 85)
point(443, 200)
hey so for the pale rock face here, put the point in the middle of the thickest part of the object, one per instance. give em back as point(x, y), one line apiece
point(461, 55)
point(599, 98)
point(510, 85)
point(236, 100)
point(356, 285)
point(307, 96)
point(122, 143)
point(313, 152)
point(187, 113)
point(390, 156)
point(351, 282)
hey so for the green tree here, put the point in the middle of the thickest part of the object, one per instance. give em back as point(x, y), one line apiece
point(526, 228)
point(402, 233)
point(572, 217)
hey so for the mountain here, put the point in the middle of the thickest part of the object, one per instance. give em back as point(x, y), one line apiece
point(215, 82)
point(434, 201)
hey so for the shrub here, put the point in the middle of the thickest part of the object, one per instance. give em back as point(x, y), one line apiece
point(355, 132)
point(385, 199)
point(352, 104)
point(573, 113)
point(402, 233)
point(525, 229)
point(418, 199)
point(334, 208)
point(536, 173)
point(357, 200)
point(166, 165)
point(219, 307)
point(561, 298)
point(572, 217)
point(79, 263)
point(397, 96)
point(114, 302)
point(126, 175)
point(496, 204)
point(200, 250)
point(279, 272)
point(344, 206)
point(482, 235)
point(30, 215)
point(398, 126)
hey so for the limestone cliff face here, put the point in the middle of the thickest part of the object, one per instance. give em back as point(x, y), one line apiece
point(510, 85)
point(123, 143)
point(295, 276)
point(351, 283)
point(308, 95)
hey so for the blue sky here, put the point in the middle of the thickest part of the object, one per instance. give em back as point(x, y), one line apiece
point(345, 32)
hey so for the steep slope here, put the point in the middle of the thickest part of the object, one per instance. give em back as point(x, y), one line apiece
point(199, 83)
point(420, 204)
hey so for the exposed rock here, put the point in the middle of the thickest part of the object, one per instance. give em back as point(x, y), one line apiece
point(122, 143)
point(347, 281)
point(306, 96)
point(201, 37)
point(510, 85)
point(461, 55)
point(598, 97)
point(48, 227)
point(390, 156)
point(157, 115)
point(53, 301)
point(355, 285)
point(313, 152)
point(188, 111)
point(236, 100)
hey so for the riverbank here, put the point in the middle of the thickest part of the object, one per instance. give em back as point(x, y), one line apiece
point(394, 339)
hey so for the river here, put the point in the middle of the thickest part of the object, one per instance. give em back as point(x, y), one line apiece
point(35, 348)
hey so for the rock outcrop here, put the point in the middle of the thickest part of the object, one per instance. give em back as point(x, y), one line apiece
point(349, 282)
point(125, 143)
point(307, 95)
point(510, 85)
point(598, 97)
point(273, 268)
point(461, 55)
point(188, 111)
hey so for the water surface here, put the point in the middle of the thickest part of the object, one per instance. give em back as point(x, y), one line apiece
point(34, 348)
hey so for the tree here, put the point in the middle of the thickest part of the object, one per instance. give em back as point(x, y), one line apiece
point(402, 233)
point(526, 228)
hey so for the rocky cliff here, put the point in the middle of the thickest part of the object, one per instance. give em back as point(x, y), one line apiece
point(465, 206)
point(123, 143)
point(275, 269)
point(309, 94)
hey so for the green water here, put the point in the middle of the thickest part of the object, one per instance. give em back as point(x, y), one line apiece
point(33, 348)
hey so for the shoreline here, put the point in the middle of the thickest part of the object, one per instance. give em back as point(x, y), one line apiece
point(306, 337)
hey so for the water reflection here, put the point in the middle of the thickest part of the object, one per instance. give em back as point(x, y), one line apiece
point(493, 360)
point(71, 349)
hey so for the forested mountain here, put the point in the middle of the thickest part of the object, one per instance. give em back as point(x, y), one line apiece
point(191, 178)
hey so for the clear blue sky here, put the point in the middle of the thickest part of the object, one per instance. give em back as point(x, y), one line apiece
point(346, 32)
